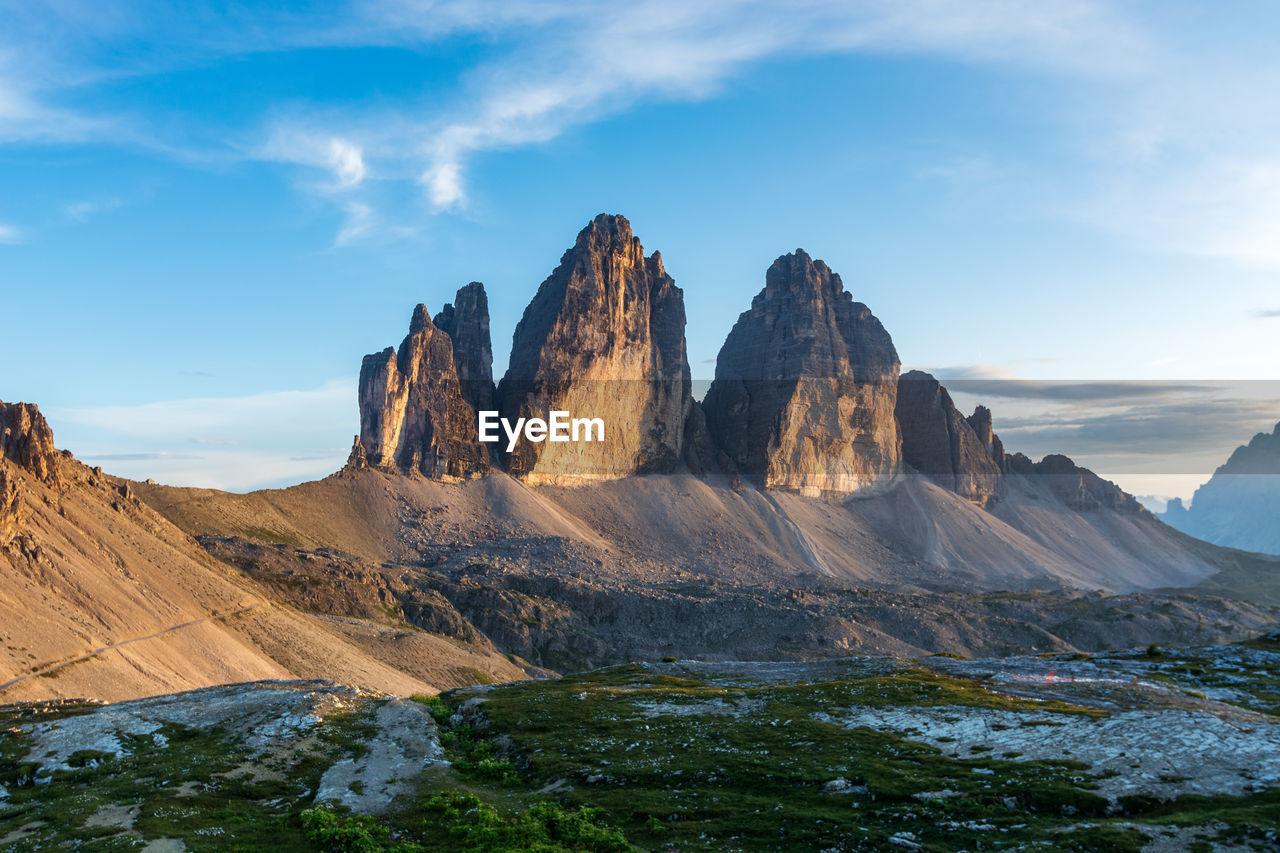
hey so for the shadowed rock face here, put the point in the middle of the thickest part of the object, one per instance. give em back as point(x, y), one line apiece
point(1083, 490)
point(466, 322)
point(602, 338)
point(942, 444)
point(803, 398)
point(980, 422)
point(413, 415)
point(1240, 503)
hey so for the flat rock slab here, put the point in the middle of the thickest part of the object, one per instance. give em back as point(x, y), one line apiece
point(1168, 752)
point(260, 715)
point(406, 744)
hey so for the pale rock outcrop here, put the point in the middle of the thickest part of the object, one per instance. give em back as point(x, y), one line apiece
point(942, 444)
point(26, 443)
point(413, 415)
point(805, 387)
point(602, 338)
point(13, 510)
point(27, 440)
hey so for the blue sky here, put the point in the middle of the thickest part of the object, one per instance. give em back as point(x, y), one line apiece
point(209, 215)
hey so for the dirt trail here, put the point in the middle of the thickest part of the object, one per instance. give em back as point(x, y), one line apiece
point(113, 646)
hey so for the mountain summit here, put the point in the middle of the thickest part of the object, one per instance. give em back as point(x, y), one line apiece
point(1239, 505)
point(805, 386)
point(602, 338)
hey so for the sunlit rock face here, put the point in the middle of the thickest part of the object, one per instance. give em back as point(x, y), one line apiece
point(602, 338)
point(27, 441)
point(413, 414)
point(805, 387)
point(26, 444)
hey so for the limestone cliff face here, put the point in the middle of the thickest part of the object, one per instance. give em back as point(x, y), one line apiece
point(466, 322)
point(413, 414)
point(980, 422)
point(602, 338)
point(805, 387)
point(942, 444)
point(13, 511)
point(26, 440)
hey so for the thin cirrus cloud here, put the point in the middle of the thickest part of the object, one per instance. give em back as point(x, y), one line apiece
point(10, 234)
point(259, 414)
point(568, 64)
point(85, 209)
point(342, 160)
point(1165, 123)
point(237, 443)
point(593, 62)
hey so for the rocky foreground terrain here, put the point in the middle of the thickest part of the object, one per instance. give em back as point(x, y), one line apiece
point(1142, 750)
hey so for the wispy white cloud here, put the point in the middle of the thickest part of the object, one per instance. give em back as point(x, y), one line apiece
point(10, 234)
point(240, 443)
point(1172, 134)
point(1217, 207)
point(567, 64)
point(596, 62)
point(85, 209)
point(341, 159)
point(260, 414)
point(358, 222)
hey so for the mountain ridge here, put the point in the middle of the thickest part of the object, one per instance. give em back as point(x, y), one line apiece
point(1240, 503)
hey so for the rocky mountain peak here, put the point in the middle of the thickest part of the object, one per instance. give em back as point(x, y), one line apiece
point(413, 413)
point(27, 440)
point(805, 386)
point(609, 234)
point(1081, 489)
point(603, 338)
point(981, 423)
point(466, 322)
point(420, 321)
point(942, 444)
point(1239, 504)
point(1260, 456)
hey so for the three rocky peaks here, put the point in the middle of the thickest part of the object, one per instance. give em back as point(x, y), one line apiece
point(807, 395)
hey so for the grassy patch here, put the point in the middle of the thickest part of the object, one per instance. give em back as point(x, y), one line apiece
point(202, 786)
